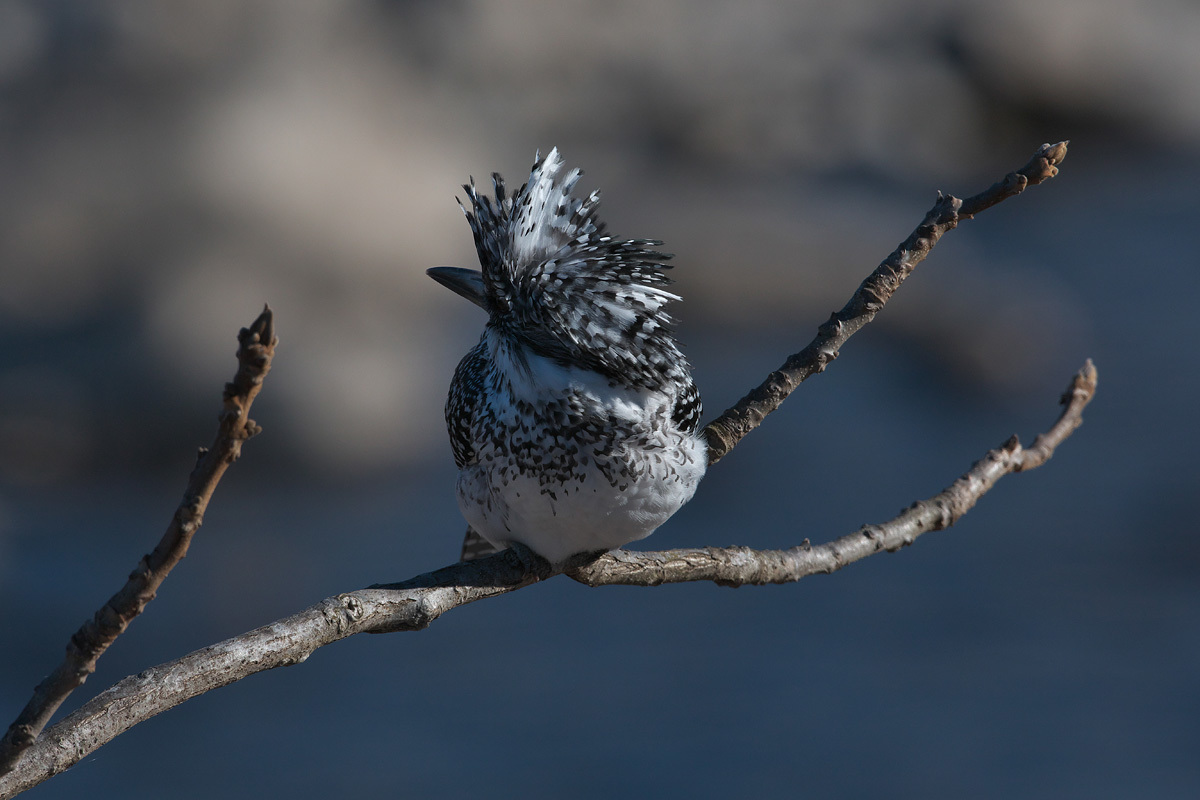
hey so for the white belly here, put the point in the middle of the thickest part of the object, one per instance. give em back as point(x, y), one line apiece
point(587, 512)
point(564, 462)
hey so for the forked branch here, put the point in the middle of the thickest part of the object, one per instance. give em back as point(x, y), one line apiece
point(414, 604)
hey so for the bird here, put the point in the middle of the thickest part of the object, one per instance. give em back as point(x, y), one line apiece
point(575, 421)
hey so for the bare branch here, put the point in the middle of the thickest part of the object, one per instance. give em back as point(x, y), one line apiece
point(407, 606)
point(256, 347)
point(416, 603)
point(728, 429)
point(741, 566)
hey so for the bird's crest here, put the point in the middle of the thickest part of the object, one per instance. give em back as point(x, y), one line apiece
point(558, 282)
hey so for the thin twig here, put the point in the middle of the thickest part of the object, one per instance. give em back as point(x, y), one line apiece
point(416, 603)
point(728, 429)
point(255, 350)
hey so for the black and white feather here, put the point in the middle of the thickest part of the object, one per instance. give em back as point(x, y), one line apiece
point(574, 420)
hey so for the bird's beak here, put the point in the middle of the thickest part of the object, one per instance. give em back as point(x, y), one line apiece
point(466, 283)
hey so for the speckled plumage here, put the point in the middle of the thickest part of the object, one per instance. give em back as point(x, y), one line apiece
point(574, 420)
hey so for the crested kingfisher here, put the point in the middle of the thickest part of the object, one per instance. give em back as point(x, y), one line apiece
point(575, 422)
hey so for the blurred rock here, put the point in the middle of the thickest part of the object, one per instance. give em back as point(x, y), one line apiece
point(166, 168)
point(1131, 64)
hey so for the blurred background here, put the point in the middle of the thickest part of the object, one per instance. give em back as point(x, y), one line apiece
point(165, 169)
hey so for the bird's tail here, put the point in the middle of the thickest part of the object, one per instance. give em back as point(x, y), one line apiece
point(475, 546)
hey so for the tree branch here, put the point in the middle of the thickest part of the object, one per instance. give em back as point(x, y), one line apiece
point(741, 566)
point(728, 429)
point(416, 603)
point(256, 347)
